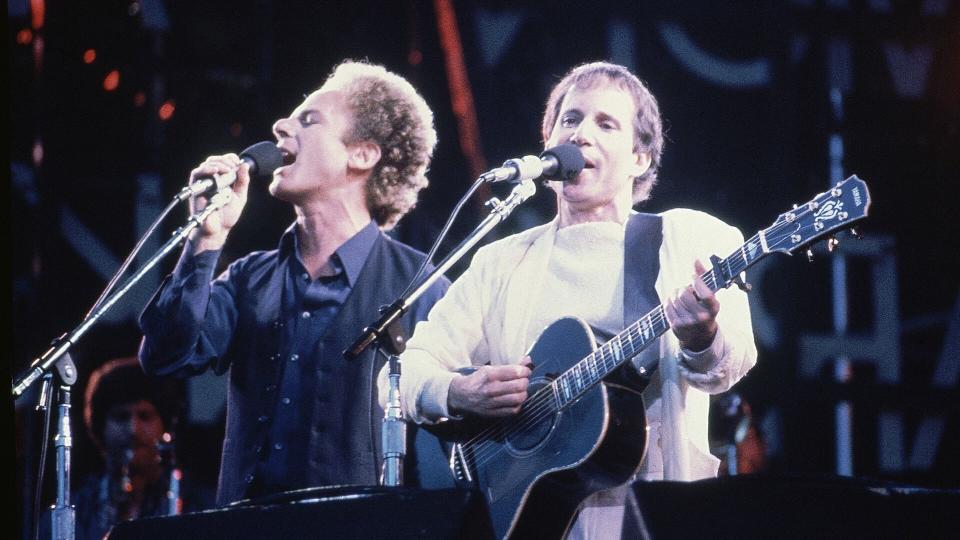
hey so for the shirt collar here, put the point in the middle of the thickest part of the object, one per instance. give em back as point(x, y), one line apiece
point(352, 254)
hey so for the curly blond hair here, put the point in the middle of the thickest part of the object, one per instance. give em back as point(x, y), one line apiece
point(648, 126)
point(388, 111)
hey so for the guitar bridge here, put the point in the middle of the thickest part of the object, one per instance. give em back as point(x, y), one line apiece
point(459, 465)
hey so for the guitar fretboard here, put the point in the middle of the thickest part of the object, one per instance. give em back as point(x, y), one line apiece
point(638, 336)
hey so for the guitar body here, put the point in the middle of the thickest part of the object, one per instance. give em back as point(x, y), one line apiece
point(548, 468)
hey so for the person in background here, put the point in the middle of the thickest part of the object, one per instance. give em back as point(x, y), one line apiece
point(131, 418)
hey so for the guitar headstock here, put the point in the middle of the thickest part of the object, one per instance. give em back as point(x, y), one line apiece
point(836, 209)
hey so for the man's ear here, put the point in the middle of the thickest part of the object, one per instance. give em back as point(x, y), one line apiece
point(363, 155)
point(642, 164)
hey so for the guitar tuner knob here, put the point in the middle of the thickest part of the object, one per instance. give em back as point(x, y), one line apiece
point(809, 255)
point(832, 243)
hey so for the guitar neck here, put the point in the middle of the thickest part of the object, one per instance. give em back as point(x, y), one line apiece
point(638, 336)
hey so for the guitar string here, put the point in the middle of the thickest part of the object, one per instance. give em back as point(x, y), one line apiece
point(540, 406)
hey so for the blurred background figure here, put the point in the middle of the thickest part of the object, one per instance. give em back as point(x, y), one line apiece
point(735, 437)
point(132, 418)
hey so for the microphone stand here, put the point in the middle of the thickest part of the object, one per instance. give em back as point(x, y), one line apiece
point(385, 331)
point(63, 515)
point(62, 345)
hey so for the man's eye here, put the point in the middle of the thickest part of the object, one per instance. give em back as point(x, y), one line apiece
point(568, 121)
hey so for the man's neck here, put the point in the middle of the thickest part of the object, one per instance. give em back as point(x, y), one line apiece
point(569, 214)
point(322, 228)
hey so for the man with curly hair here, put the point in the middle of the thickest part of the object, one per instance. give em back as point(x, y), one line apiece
point(355, 154)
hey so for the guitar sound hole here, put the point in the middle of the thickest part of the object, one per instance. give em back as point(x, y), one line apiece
point(534, 423)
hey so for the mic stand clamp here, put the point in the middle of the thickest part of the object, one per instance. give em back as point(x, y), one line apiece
point(63, 517)
point(393, 433)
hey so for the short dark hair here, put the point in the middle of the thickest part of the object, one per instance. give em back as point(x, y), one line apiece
point(122, 381)
point(648, 126)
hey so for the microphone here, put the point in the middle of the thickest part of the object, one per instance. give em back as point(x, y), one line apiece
point(263, 158)
point(563, 163)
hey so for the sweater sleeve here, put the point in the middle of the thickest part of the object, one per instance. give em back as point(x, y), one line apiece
point(445, 342)
point(733, 351)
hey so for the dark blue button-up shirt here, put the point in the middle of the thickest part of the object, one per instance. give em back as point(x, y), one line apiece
point(307, 308)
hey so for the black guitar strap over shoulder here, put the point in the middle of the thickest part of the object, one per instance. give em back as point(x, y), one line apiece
point(641, 261)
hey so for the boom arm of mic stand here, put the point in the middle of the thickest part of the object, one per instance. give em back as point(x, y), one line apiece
point(62, 345)
point(378, 330)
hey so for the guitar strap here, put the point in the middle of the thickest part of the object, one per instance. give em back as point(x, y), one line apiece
point(641, 266)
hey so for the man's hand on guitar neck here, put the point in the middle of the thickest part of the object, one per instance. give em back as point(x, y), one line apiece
point(490, 390)
point(692, 313)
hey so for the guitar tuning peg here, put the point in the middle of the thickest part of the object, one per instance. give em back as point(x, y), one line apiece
point(809, 255)
point(856, 234)
point(832, 243)
point(744, 286)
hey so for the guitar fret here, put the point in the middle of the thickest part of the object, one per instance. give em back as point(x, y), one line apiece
point(556, 396)
point(615, 350)
point(628, 343)
point(565, 387)
point(592, 366)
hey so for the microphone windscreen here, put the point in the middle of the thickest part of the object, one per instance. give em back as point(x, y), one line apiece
point(569, 162)
point(265, 156)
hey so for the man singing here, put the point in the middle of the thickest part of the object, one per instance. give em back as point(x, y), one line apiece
point(577, 265)
point(355, 154)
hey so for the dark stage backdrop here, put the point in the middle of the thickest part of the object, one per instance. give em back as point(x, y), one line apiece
point(766, 104)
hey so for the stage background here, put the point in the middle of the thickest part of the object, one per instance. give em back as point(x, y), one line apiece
point(111, 103)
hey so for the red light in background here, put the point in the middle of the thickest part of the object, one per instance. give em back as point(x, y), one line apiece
point(89, 56)
point(236, 129)
point(24, 36)
point(111, 81)
point(38, 12)
point(415, 57)
point(139, 99)
point(166, 110)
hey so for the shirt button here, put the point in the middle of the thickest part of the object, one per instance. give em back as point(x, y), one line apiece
point(285, 401)
point(278, 446)
point(249, 478)
point(263, 418)
point(294, 357)
point(306, 276)
point(305, 314)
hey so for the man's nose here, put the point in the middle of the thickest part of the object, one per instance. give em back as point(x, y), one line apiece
point(580, 135)
point(281, 128)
